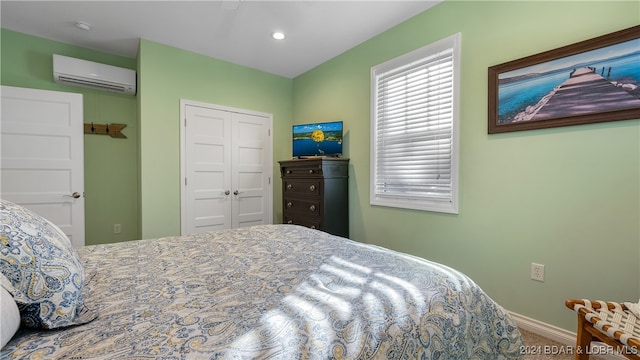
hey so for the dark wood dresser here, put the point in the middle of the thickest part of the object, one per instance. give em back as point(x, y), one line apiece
point(315, 194)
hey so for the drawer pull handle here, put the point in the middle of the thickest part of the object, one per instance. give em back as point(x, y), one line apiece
point(313, 227)
point(288, 171)
point(312, 208)
point(289, 222)
point(289, 204)
point(312, 188)
point(310, 171)
point(289, 186)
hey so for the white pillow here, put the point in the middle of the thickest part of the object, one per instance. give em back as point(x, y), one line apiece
point(9, 316)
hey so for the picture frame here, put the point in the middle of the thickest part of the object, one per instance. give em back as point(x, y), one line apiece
point(592, 81)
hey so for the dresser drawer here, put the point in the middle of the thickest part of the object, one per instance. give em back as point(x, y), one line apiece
point(313, 223)
point(301, 171)
point(302, 186)
point(302, 207)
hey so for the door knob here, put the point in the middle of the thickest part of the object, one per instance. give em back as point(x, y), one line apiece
point(227, 192)
point(236, 192)
point(75, 195)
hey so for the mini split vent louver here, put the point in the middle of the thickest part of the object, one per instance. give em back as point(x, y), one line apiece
point(87, 74)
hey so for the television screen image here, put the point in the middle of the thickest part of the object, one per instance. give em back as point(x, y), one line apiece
point(319, 139)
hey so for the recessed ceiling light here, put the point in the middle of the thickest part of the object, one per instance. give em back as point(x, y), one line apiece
point(83, 25)
point(278, 35)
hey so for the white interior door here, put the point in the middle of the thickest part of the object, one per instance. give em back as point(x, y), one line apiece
point(226, 166)
point(207, 180)
point(251, 168)
point(42, 155)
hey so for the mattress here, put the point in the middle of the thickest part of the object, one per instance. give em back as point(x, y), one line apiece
point(276, 292)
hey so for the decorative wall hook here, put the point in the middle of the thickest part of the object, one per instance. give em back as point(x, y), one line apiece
point(112, 130)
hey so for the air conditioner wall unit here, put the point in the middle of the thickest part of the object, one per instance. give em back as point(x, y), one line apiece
point(89, 74)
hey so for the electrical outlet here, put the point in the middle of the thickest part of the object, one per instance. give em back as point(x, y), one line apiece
point(537, 272)
point(117, 228)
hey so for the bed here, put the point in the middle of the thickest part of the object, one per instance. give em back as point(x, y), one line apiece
point(262, 292)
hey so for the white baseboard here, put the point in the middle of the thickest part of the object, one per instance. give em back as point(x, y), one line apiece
point(543, 329)
point(552, 332)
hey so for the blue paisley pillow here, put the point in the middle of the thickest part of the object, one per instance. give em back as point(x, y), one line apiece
point(43, 268)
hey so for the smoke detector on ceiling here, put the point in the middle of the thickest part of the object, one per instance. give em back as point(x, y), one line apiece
point(83, 25)
point(230, 4)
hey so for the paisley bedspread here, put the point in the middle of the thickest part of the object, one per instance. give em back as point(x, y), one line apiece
point(277, 292)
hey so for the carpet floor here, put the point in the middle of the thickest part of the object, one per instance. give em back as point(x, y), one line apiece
point(541, 348)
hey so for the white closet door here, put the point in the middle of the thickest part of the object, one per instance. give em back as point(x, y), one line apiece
point(227, 168)
point(42, 156)
point(208, 180)
point(251, 167)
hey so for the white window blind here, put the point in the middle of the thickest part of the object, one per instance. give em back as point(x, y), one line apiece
point(414, 120)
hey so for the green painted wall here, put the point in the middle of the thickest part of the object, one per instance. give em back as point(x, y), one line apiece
point(568, 197)
point(110, 164)
point(169, 74)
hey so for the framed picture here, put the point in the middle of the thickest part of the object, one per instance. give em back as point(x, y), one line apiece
point(592, 81)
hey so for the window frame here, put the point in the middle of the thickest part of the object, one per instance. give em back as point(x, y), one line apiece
point(419, 203)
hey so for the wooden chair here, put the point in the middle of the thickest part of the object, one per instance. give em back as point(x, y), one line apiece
point(609, 322)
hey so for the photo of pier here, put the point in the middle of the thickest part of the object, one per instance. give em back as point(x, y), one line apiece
point(601, 80)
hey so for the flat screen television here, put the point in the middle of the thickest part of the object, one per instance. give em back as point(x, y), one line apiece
point(318, 139)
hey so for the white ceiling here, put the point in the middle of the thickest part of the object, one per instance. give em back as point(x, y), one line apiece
point(237, 31)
